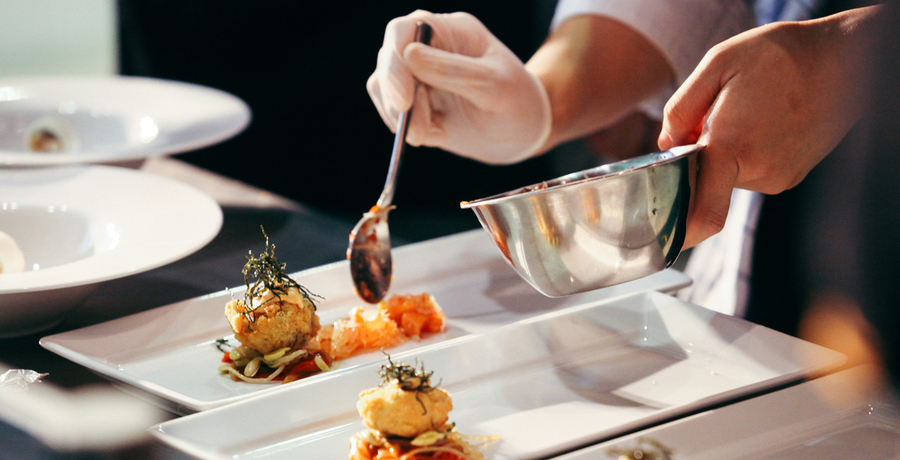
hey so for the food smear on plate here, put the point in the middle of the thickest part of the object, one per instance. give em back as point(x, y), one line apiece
point(407, 418)
point(12, 260)
point(276, 322)
point(45, 141)
point(394, 321)
point(281, 337)
point(50, 135)
point(646, 449)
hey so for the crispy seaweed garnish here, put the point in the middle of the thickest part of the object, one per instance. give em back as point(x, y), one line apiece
point(269, 274)
point(223, 345)
point(408, 378)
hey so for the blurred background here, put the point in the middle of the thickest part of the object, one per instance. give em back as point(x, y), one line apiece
point(56, 37)
point(315, 135)
point(302, 68)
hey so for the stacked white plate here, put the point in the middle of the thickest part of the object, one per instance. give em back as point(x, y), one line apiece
point(75, 223)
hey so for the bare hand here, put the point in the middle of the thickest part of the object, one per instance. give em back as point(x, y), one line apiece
point(776, 100)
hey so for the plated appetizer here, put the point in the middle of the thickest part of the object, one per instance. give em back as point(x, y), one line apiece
point(280, 335)
point(407, 419)
point(276, 322)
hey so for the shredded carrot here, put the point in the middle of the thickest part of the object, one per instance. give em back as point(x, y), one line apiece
point(395, 321)
point(453, 449)
point(415, 313)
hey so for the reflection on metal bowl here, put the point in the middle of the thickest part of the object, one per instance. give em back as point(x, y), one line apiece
point(595, 228)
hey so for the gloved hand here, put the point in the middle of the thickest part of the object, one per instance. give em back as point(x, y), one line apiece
point(475, 97)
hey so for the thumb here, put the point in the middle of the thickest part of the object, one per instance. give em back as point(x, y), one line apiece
point(711, 196)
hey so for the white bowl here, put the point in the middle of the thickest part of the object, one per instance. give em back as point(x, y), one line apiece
point(79, 225)
point(65, 120)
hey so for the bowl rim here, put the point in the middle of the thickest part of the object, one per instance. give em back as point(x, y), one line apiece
point(605, 171)
point(231, 117)
point(152, 240)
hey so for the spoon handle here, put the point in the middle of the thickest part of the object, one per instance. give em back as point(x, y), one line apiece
point(423, 35)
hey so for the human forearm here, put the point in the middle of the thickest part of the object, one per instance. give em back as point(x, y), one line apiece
point(596, 70)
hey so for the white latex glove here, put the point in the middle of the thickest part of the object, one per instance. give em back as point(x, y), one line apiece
point(475, 98)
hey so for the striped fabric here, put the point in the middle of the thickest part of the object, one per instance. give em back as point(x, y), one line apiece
point(786, 10)
point(721, 266)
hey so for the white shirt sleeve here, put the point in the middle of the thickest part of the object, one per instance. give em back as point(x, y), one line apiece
point(682, 30)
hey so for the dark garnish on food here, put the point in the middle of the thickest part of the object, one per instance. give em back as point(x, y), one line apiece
point(269, 274)
point(408, 378)
point(223, 345)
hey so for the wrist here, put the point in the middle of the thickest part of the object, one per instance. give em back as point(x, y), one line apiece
point(849, 37)
point(543, 141)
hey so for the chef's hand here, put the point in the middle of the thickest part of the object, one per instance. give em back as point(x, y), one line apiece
point(476, 98)
point(769, 104)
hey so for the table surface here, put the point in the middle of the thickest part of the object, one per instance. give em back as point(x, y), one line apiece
point(305, 238)
point(308, 238)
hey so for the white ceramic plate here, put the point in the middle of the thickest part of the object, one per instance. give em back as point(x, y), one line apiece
point(110, 119)
point(80, 225)
point(170, 353)
point(824, 419)
point(543, 385)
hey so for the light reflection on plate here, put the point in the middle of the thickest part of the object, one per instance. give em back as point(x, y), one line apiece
point(825, 419)
point(80, 225)
point(65, 120)
point(478, 291)
point(545, 386)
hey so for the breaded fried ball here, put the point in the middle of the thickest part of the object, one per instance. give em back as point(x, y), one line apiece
point(290, 321)
point(398, 412)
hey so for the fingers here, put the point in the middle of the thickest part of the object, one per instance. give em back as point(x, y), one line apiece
point(476, 67)
point(374, 89)
point(683, 123)
point(685, 110)
point(711, 196)
point(392, 85)
point(422, 128)
point(476, 79)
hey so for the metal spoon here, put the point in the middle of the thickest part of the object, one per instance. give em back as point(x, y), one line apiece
point(370, 242)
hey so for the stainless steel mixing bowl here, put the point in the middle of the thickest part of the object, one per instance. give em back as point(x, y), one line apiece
point(595, 228)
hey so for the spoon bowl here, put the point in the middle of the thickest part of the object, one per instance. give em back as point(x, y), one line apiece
point(371, 265)
point(369, 252)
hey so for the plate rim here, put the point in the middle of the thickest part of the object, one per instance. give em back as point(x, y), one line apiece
point(804, 390)
point(191, 199)
point(63, 345)
point(827, 360)
point(241, 112)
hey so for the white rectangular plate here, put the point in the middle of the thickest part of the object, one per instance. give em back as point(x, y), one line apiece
point(169, 352)
point(544, 385)
point(824, 419)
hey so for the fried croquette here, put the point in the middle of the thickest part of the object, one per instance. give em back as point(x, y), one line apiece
point(394, 411)
point(288, 320)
